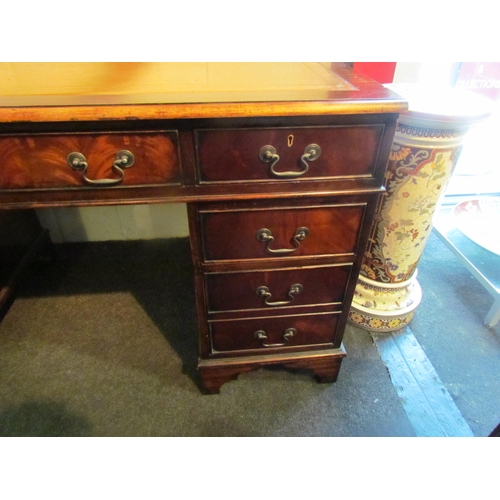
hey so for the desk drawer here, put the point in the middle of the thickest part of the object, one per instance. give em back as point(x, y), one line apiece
point(276, 333)
point(276, 289)
point(41, 161)
point(234, 155)
point(284, 232)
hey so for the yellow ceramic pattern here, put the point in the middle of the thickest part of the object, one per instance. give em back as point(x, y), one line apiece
point(416, 178)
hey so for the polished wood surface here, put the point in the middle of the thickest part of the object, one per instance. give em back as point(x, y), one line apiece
point(237, 291)
point(57, 138)
point(231, 263)
point(196, 130)
point(40, 161)
point(324, 364)
point(231, 233)
point(315, 330)
point(345, 151)
point(38, 92)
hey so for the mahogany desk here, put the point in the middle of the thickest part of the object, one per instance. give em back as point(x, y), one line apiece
point(281, 167)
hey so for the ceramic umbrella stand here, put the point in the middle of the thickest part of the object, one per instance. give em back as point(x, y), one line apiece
point(428, 140)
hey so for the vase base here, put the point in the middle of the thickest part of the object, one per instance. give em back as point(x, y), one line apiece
point(378, 324)
point(380, 307)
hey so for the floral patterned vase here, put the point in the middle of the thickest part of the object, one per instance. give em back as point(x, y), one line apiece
point(424, 153)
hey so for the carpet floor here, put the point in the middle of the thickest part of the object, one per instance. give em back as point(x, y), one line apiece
point(102, 341)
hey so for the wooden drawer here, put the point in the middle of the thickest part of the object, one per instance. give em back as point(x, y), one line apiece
point(286, 232)
point(276, 289)
point(41, 161)
point(267, 334)
point(233, 155)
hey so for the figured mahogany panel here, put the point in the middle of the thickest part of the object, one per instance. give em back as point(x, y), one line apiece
point(40, 161)
point(239, 290)
point(234, 234)
point(233, 155)
point(248, 334)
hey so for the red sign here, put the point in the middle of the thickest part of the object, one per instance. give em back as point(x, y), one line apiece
point(480, 77)
point(382, 72)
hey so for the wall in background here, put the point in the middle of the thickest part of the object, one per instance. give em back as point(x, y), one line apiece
point(129, 222)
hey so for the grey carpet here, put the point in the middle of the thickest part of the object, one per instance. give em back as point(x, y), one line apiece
point(102, 342)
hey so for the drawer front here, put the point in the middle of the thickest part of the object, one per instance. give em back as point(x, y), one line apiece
point(282, 232)
point(266, 334)
point(41, 161)
point(234, 155)
point(276, 289)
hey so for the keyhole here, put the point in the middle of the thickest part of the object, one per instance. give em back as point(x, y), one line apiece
point(290, 141)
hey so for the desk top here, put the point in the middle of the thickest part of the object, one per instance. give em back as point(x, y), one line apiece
point(39, 92)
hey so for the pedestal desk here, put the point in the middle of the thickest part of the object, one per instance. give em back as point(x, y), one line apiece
point(281, 166)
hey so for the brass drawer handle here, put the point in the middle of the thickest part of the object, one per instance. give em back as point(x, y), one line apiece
point(267, 237)
point(268, 154)
point(262, 335)
point(124, 159)
point(263, 291)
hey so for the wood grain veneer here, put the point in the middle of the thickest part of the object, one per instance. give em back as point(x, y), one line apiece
point(196, 130)
point(40, 161)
